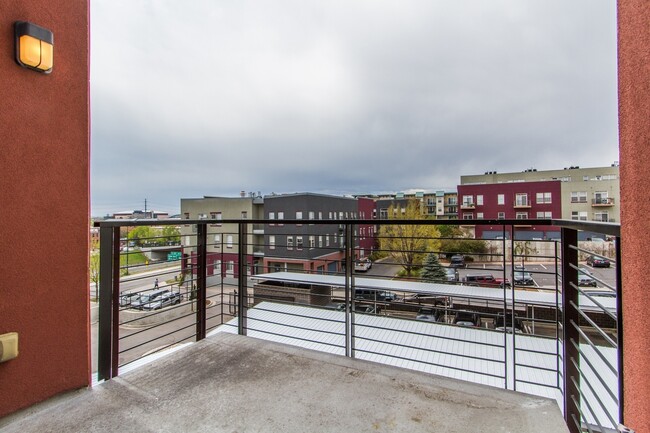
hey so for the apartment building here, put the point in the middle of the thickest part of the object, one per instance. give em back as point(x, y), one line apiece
point(438, 204)
point(587, 194)
point(311, 248)
point(517, 200)
point(222, 242)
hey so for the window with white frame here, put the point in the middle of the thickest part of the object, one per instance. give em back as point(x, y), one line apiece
point(579, 215)
point(217, 240)
point(320, 241)
point(501, 215)
point(320, 215)
point(543, 197)
point(521, 215)
point(468, 216)
point(479, 200)
point(479, 215)
point(230, 266)
point(468, 200)
point(578, 196)
point(298, 216)
point(272, 242)
point(544, 215)
point(312, 242)
point(312, 215)
point(327, 240)
point(280, 217)
point(216, 216)
point(202, 216)
point(229, 241)
point(299, 242)
point(290, 242)
point(501, 199)
point(244, 214)
point(601, 216)
point(521, 199)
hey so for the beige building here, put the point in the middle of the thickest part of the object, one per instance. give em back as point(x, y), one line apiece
point(588, 194)
point(222, 239)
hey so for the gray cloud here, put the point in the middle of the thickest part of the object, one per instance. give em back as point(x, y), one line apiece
point(203, 97)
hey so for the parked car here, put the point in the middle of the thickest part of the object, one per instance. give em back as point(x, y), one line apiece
point(523, 278)
point(358, 308)
point(452, 275)
point(467, 318)
point(362, 265)
point(429, 314)
point(585, 278)
point(486, 280)
point(598, 262)
point(156, 300)
point(375, 295)
point(457, 261)
point(427, 298)
point(502, 323)
point(126, 299)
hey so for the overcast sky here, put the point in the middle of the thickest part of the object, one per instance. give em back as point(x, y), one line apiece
point(210, 97)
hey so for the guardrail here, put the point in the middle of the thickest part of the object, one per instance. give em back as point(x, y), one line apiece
point(492, 323)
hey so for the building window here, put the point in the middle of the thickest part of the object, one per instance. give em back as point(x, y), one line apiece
point(272, 242)
point(230, 266)
point(579, 216)
point(216, 216)
point(320, 241)
point(544, 215)
point(501, 199)
point(271, 218)
point(521, 215)
point(299, 242)
point(479, 200)
point(479, 215)
point(229, 241)
point(543, 197)
point(578, 196)
point(602, 216)
point(521, 199)
point(280, 217)
point(186, 215)
point(320, 215)
point(244, 214)
point(600, 197)
point(298, 216)
point(327, 240)
point(501, 215)
point(312, 242)
point(468, 216)
point(383, 214)
point(217, 241)
point(290, 242)
point(468, 200)
point(203, 216)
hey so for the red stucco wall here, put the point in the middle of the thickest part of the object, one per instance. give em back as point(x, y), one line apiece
point(634, 130)
point(44, 164)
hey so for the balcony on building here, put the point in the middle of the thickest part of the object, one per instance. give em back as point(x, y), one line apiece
point(602, 202)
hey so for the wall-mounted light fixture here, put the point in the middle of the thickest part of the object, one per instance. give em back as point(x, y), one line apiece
point(34, 47)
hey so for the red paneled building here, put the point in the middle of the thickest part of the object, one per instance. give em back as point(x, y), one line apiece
point(513, 200)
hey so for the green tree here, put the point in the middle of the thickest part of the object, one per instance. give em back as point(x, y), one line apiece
point(432, 271)
point(141, 234)
point(93, 265)
point(408, 242)
point(171, 234)
point(455, 240)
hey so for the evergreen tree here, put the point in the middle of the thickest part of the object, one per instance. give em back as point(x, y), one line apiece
point(432, 271)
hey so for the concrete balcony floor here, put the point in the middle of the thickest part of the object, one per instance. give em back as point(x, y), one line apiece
point(231, 383)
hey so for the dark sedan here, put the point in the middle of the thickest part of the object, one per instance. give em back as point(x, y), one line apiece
point(598, 262)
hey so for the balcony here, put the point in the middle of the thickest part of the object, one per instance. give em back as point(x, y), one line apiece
point(565, 341)
point(467, 206)
point(602, 202)
point(522, 204)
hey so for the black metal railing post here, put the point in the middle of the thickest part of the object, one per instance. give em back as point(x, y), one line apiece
point(619, 332)
point(349, 288)
point(570, 334)
point(201, 275)
point(109, 274)
point(242, 284)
